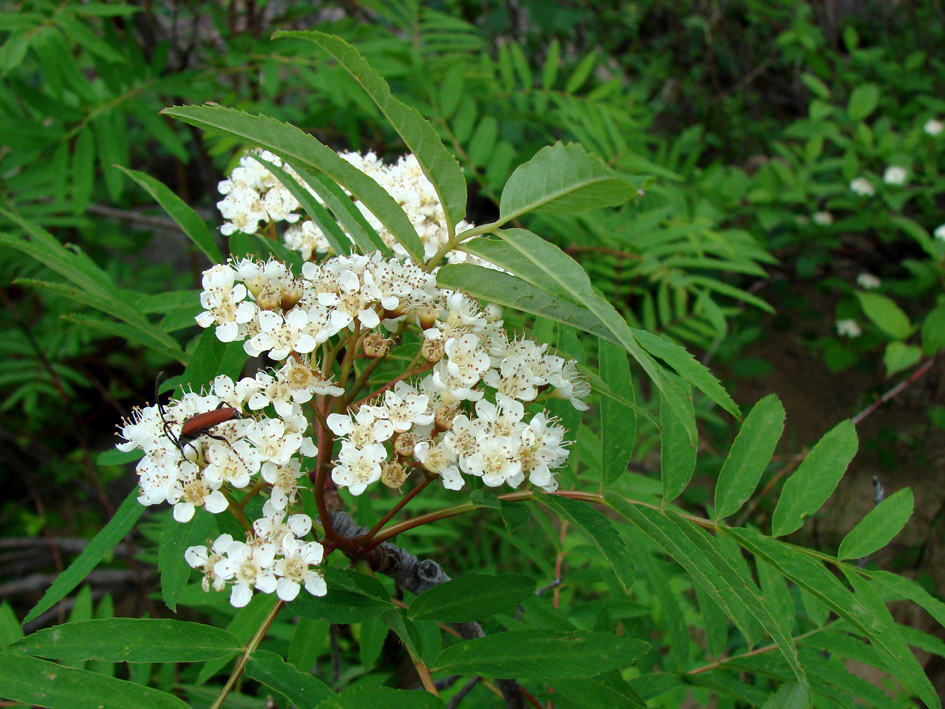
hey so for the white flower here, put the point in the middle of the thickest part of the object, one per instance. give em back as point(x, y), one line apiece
point(867, 281)
point(848, 328)
point(367, 427)
point(496, 461)
point(293, 569)
point(933, 126)
point(823, 218)
point(200, 558)
point(862, 187)
point(895, 175)
point(358, 467)
point(248, 566)
point(939, 232)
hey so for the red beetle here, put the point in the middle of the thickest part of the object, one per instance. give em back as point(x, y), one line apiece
point(197, 425)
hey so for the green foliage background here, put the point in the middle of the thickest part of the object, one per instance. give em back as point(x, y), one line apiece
point(751, 120)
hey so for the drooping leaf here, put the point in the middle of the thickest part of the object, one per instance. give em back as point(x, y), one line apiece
point(181, 212)
point(107, 539)
point(878, 527)
point(521, 654)
point(417, 133)
point(749, 456)
point(301, 688)
point(42, 683)
point(471, 598)
point(130, 640)
point(815, 479)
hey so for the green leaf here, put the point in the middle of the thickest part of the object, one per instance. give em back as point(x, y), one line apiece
point(38, 682)
point(564, 178)
point(888, 641)
point(618, 422)
point(863, 101)
point(899, 356)
point(300, 688)
point(578, 693)
point(78, 268)
point(127, 332)
point(347, 213)
point(417, 133)
point(523, 654)
point(211, 358)
point(906, 588)
point(371, 641)
point(483, 140)
point(471, 598)
point(677, 451)
point(734, 592)
point(175, 539)
point(815, 479)
point(130, 640)
point(878, 527)
point(83, 170)
point(749, 456)
point(545, 266)
point(102, 543)
point(10, 629)
point(364, 696)
point(338, 606)
point(885, 314)
point(303, 150)
point(396, 619)
point(687, 367)
point(933, 331)
point(599, 530)
point(181, 212)
point(336, 238)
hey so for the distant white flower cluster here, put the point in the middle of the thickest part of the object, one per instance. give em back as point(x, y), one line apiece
point(862, 187)
point(895, 175)
point(867, 281)
point(848, 328)
point(253, 196)
point(933, 126)
point(247, 451)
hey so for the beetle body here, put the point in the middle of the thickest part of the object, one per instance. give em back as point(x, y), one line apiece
point(201, 423)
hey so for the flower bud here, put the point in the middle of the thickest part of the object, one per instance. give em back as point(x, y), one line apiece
point(404, 443)
point(432, 350)
point(375, 345)
point(393, 474)
point(443, 417)
point(427, 316)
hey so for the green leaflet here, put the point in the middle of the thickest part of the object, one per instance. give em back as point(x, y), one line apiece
point(749, 456)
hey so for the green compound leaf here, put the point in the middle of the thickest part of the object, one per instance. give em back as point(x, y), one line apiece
point(878, 527)
point(471, 598)
point(131, 640)
point(749, 456)
point(42, 683)
point(815, 479)
point(522, 654)
point(417, 133)
point(112, 533)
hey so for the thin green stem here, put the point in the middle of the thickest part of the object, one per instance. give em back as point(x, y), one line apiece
point(456, 241)
point(247, 651)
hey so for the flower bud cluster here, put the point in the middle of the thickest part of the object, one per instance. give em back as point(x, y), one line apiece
point(248, 451)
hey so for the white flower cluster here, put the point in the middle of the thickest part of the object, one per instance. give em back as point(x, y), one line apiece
point(895, 175)
point(862, 187)
point(867, 281)
point(848, 328)
point(245, 450)
point(933, 126)
point(253, 195)
point(465, 348)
